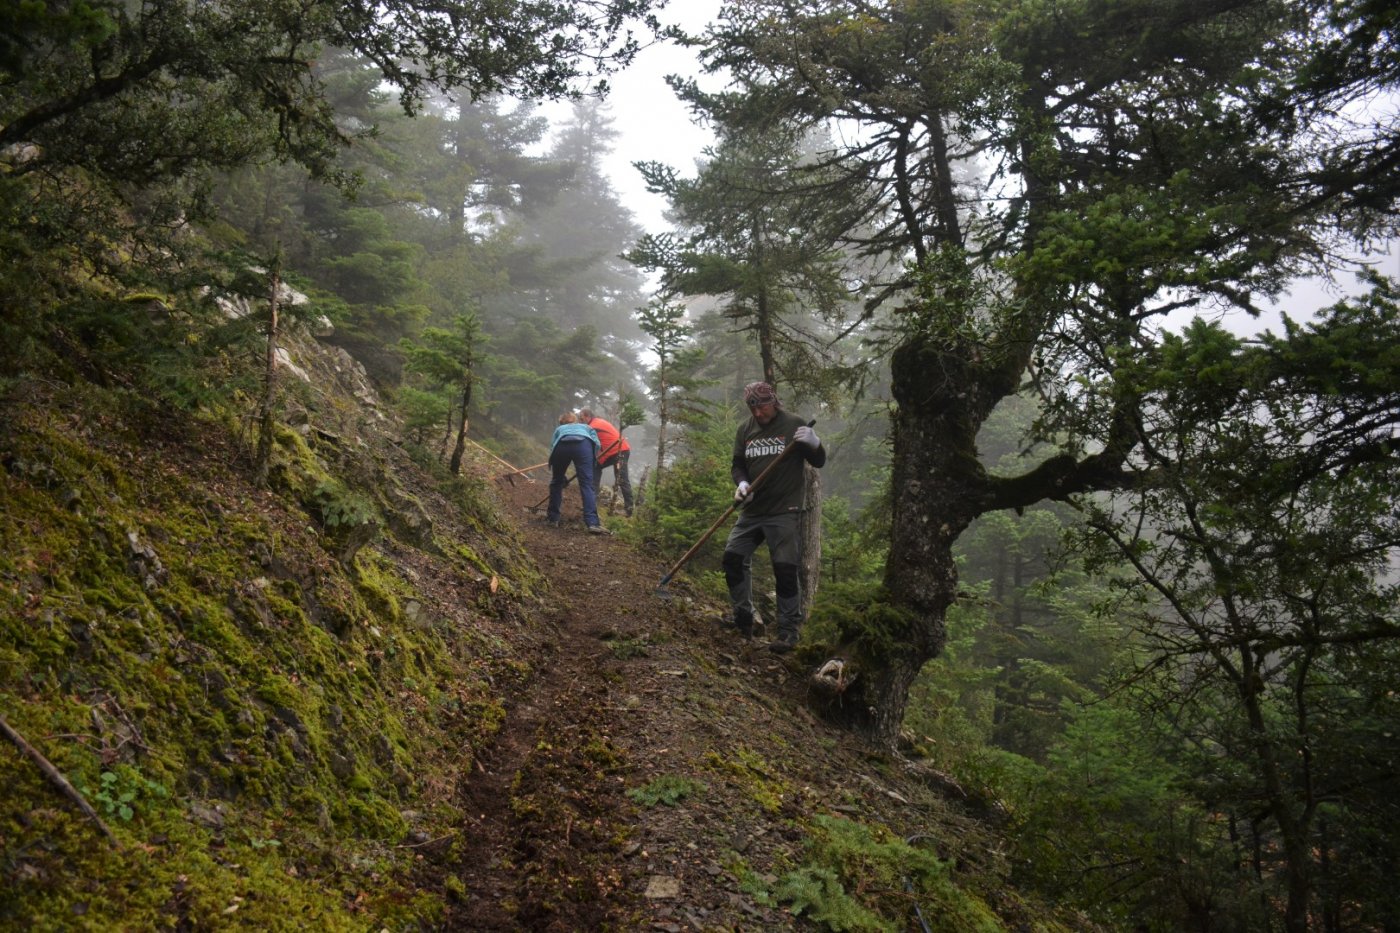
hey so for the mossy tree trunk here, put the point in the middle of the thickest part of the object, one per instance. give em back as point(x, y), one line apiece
point(940, 488)
point(663, 322)
point(267, 420)
point(945, 390)
point(455, 465)
point(663, 413)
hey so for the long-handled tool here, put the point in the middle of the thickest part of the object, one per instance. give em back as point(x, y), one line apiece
point(523, 470)
point(536, 507)
point(507, 465)
point(666, 578)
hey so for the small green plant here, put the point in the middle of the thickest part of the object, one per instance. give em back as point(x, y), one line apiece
point(625, 648)
point(668, 789)
point(340, 506)
point(118, 793)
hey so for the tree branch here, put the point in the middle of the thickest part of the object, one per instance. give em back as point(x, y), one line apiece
point(56, 778)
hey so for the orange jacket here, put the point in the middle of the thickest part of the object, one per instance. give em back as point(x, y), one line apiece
point(610, 441)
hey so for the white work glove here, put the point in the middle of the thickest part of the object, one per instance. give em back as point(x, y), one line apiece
point(741, 492)
point(805, 435)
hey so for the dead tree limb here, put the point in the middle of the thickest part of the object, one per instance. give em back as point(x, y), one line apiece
point(56, 778)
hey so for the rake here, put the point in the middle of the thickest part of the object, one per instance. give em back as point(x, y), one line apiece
point(523, 470)
point(541, 504)
point(661, 590)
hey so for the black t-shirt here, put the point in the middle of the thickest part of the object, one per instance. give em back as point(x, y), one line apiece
point(756, 446)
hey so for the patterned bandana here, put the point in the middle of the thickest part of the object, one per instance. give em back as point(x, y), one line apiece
point(759, 393)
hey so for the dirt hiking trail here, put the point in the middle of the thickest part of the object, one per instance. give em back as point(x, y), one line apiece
point(630, 692)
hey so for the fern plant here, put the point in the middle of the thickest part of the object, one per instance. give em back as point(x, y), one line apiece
point(818, 894)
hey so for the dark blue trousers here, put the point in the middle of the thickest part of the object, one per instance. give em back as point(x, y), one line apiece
point(578, 452)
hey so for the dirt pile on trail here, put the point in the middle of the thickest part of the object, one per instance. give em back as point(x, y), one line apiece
point(656, 772)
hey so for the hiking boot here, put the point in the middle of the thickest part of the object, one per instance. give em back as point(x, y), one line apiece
point(784, 643)
point(598, 530)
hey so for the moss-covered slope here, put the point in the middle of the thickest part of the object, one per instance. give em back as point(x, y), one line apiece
point(263, 692)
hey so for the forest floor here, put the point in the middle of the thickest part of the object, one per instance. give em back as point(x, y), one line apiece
point(725, 766)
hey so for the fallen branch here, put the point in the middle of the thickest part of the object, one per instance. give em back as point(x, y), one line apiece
point(56, 778)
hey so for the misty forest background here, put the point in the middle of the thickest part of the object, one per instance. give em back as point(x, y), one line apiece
point(1011, 256)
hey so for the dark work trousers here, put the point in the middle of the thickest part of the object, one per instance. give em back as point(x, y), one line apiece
point(619, 465)
point(578, 452)
point(784, 548)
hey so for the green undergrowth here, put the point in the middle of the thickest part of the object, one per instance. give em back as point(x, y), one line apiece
point(751, 773)
point(668, 789)
point(850, 875)
point(855, 878)
point(259, 721)
point(858, 877)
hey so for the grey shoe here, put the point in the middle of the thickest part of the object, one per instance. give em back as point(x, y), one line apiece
point(784, 643)
point(598, 530)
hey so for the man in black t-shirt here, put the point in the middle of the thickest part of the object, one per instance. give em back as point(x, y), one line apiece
point(771, 512)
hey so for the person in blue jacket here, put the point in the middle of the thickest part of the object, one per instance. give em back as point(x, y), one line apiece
point(575, 444)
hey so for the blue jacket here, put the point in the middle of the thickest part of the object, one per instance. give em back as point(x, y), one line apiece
point(574, 430)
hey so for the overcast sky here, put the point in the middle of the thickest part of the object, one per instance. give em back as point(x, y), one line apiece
point(653, 125)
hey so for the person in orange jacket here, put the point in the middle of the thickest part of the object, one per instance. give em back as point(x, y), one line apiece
point(613, 451)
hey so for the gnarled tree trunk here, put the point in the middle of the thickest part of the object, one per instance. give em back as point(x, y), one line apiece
point(944, 393)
